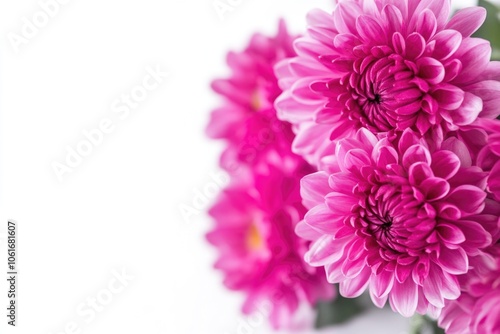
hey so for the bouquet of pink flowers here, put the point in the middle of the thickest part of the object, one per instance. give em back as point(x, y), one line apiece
point(364, 157)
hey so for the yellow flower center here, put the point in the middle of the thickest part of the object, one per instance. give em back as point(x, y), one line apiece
point(254, 239)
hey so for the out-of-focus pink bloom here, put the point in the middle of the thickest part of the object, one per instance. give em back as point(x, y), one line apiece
point(399, 218)
point(247, 120)
point(478, 308)
point(260, 254)
point(256, 215)
point(387, 66)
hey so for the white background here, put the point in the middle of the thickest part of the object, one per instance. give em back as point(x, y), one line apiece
point(120, 207)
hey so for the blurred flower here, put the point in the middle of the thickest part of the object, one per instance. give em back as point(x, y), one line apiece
point(260, 254)
point(256, 215)
point(399, 218)
point(387, 66)
point(478, 308)
point(247, 120)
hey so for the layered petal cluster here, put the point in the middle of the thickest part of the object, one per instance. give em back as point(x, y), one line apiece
point(386, 65)
point(255, 216)
point(399, 218)
point(247, 120)
point(478, 308)
point(260, 254)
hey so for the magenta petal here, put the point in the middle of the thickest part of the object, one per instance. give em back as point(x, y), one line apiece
point(445, 164)
point(323, 220)
point(426, 24)
point(453, 261)
point(341, 203)
point(447, 42)
point(370, 30)
point(323, 251)
point(419, 172)
point(378, 301)
point(314, 188)
point(475, 55)
point(415, 46)
point(433, 285)
point(352, 268)
point(404, 297)
point(449, 97)
point(467, 20)
point(416, 153)
point(431, 70)
point(460, 149)
point(468, 111)
point(354, 287)
point(450, 233)
point(468, 198)
point(434, 188)
point(402, 272)
point(306, 232)
point(381, 284)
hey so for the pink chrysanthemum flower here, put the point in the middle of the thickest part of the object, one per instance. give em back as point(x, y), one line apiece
point(399, 218)
point(478, 308)
point(248, 121)
point(386, 65)
point(259, 251)
point(256, 215)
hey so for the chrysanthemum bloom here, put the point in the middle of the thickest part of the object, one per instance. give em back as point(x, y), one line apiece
point(477, 310)
point(247, 120)
point(399, 218)
point(260, 254)
point(386, 65)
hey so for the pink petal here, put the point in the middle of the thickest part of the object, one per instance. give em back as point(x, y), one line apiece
point(453, 261)
point(445, 164)
point(419, 172)
point(370, 30)
point(469, 199)
point(354, 287)
point(416, 153)
point(433, 285)
point(324, 251)
point(434, 188)
point(447, 43)
point(431, 70)
point(475, 55)
point(426, 24)
point(450, 233)
point(314, 187)
point(340, 203)
point(449, 97)
point(468, 111)
point(404, 297)
point(382, 283)
point(467, 20)
point(460, 149)
point(323, 220)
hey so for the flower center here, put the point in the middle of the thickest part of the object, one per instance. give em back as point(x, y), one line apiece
point(381, 93)
point(254, 239)
point(376, 99)
point(256, 100)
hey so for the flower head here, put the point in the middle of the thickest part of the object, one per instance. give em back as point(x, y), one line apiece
point(478, 308)
point(259, 253)
point(398, 217)
point(387, 66)
point(256, 215)
point(247, 120)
